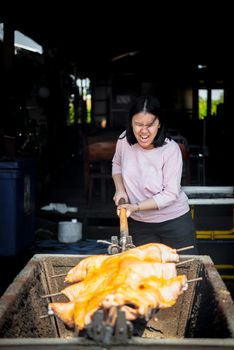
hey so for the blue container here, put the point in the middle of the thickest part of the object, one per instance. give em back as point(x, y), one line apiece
point(17, 206)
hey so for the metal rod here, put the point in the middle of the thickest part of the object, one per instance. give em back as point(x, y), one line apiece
point(102, 241)
point(60, 275)
point(50, 313)
point(184, 262)
point(51, 295)
point(45, 316)
point(185, 248)
point(195, 280)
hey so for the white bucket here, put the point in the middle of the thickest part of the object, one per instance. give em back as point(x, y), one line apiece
point(69, 231)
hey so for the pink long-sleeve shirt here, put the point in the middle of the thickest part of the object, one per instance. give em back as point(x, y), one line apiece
point(154, 173)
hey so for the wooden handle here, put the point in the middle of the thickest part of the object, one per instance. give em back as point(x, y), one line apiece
point(123, 218)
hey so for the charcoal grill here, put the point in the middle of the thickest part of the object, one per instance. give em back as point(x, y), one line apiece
point(203, 316)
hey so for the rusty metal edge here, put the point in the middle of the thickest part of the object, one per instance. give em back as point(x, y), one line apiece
point(139, 343)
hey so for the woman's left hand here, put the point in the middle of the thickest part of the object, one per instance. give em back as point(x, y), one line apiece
point(130, 208)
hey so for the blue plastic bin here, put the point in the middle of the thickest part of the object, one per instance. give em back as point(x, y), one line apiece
point(17, 206)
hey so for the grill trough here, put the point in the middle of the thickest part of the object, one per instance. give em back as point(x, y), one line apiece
point(203, 316)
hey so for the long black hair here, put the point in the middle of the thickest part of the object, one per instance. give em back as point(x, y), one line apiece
point(147, 104)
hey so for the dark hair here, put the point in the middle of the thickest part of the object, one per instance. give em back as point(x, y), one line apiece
point(146, 104)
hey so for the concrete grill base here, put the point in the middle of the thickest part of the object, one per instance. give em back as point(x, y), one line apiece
point(202, 316)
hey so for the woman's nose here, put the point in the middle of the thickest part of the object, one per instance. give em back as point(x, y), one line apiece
point(145, 127)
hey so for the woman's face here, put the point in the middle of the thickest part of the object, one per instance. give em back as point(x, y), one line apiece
point(145, 127)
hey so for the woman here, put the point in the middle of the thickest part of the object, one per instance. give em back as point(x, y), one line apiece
point(147, 170)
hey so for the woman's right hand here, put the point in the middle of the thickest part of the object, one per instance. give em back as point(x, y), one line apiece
point(119, 195)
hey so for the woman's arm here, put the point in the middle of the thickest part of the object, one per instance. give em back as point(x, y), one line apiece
point(147, 204)
point(119, 189)
point(172, 172)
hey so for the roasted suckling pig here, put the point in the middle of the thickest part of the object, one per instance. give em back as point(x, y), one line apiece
point(137, 281)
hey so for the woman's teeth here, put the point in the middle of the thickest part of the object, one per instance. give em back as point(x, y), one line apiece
point(144, 138)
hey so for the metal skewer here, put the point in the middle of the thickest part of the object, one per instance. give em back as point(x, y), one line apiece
point(50, 313)
point(103, 241)
point(185, 248)
point(177, 264)
point(194, 280)
point(51, 295)
point(45, 316)
point(60, 275)
point(188, 281)
point(184, 262)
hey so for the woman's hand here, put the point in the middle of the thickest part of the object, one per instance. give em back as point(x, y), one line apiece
point(130, 208)
point(119, 195)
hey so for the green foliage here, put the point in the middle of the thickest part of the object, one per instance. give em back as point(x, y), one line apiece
point(215, 103)
point(202, 111)
point(202, 108)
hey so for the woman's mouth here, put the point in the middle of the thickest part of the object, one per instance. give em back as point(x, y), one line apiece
point(144, 139)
